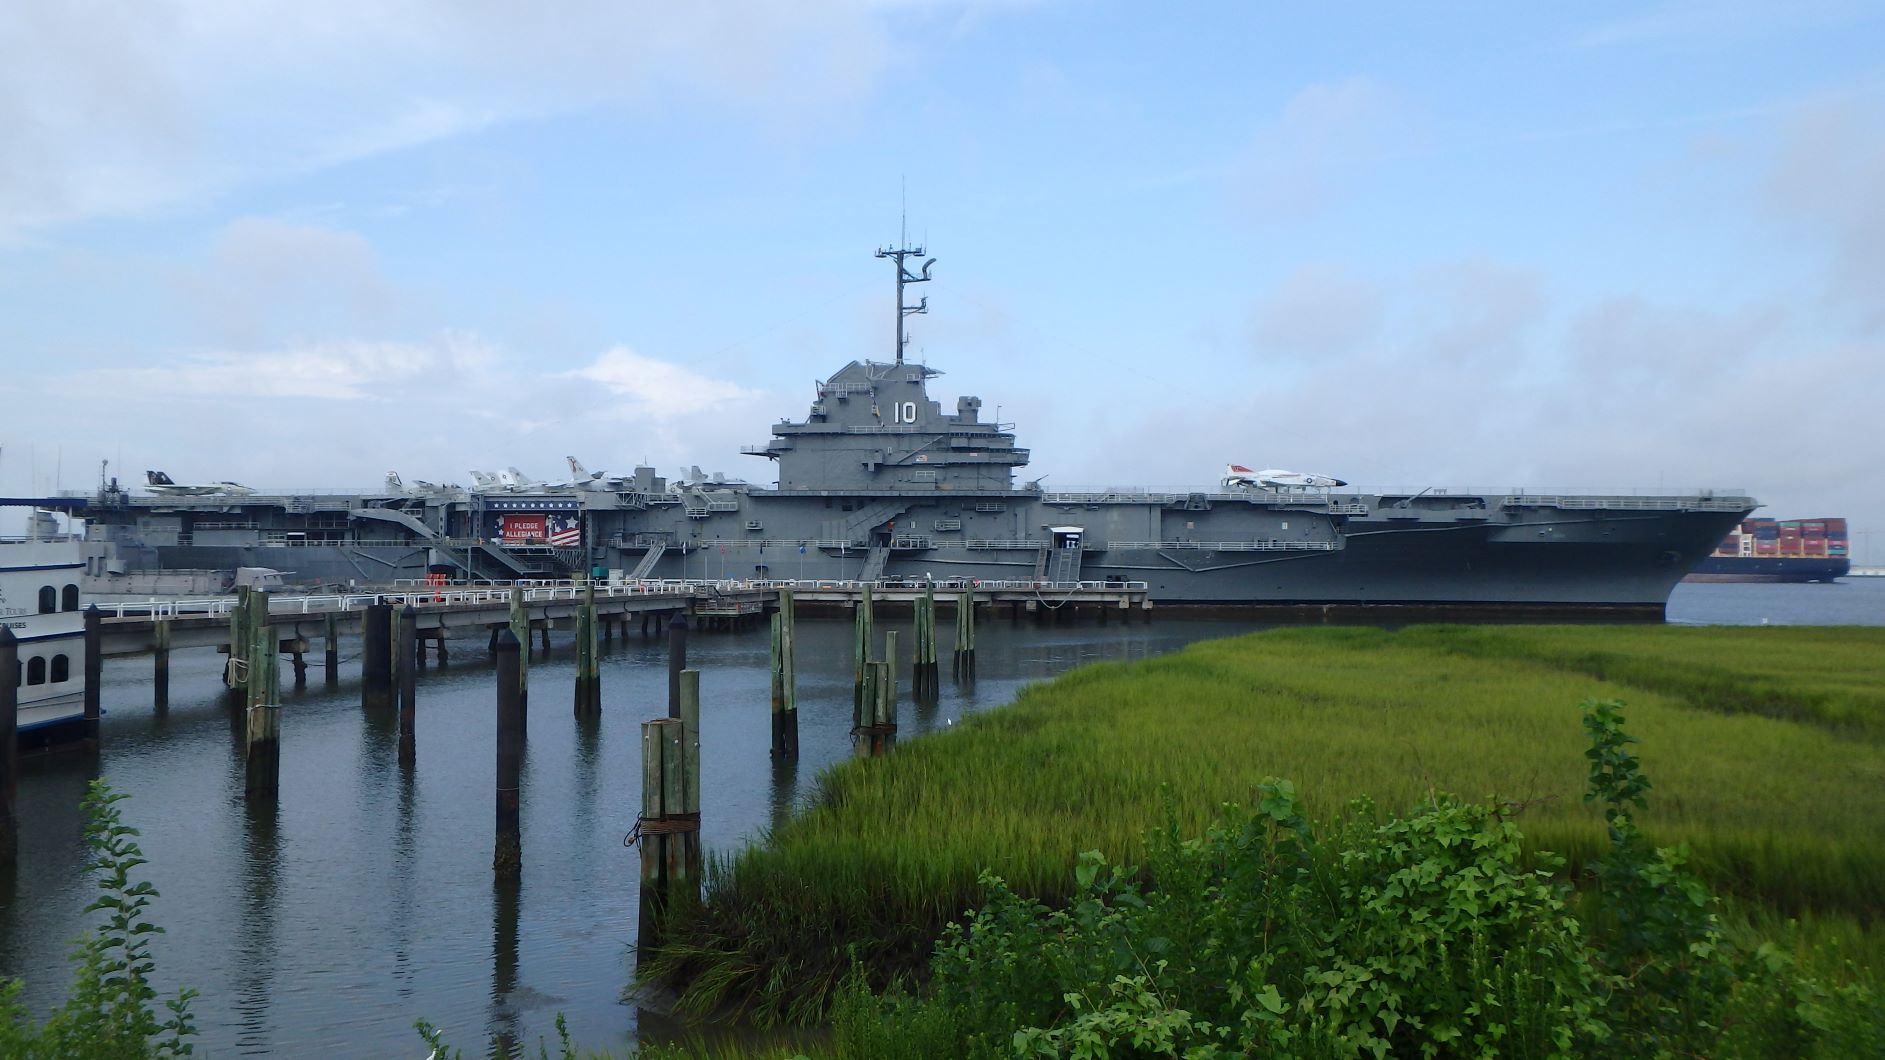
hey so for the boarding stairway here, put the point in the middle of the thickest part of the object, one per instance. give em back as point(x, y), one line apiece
point(874, 563)
point(1067, 564)
point(646, 566)
point(858, 525)
point(397, 518)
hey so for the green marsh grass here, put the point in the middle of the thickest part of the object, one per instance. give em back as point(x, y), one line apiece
point(1780, 793)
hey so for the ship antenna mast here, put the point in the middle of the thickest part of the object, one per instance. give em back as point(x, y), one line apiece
point(905, 276)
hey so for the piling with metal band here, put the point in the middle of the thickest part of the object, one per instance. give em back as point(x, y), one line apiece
point(677, 660)
point(861, 648)
point(520, 628)
point(262, 757)
point(330, 664)
point(376, 657)
point(588, 679)
point(160, 665)
point(9, 727)
point(94, 672)
point(408, 646)
point(508, 857)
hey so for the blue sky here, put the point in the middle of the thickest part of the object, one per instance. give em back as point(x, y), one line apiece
point(1621, 246)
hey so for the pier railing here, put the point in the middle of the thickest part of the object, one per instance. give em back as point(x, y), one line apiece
point(499, 593)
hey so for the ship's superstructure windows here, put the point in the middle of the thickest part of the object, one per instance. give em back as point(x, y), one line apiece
point(69, 598)
point(36, 670)
point(48, 599)
point(61, 668)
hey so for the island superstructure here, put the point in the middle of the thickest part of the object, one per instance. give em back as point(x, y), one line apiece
point(880, 480)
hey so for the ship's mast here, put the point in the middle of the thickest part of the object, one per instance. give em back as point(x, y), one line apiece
point(904, 275)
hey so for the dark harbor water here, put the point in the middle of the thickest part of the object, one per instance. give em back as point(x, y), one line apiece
point(365, 901)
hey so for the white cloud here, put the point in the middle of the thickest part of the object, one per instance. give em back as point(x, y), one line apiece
point(115, 108)
point(339, 370)
point(657, 389)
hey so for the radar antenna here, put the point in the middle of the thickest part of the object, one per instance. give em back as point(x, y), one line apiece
point(904, 275)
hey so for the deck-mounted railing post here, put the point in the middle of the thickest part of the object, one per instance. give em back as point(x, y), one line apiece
point(262, 760)
point(330, 663)
point(160, 666)
point(376, 657)
point(677, 660)
point(520, 628)
point(94, 673)
point(406, 649)
point(9, 728)
point(507, 859)
point(588, 679)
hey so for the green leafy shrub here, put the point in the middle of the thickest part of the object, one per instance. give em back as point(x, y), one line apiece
point(112, 1012)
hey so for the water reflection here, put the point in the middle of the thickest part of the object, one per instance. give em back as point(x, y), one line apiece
point(255, 934)
point(361, 893)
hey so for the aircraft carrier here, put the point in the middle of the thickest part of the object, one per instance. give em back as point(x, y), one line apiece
point(880, 481)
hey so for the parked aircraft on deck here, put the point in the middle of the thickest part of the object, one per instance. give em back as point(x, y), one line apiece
point(1237, 476)
point(161, 484)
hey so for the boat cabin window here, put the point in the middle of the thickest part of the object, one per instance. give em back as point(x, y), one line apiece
point(69, 599)
point(48, 599)
point(36, 671)
point(61, 669)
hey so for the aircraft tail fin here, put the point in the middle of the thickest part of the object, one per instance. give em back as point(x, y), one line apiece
point(157, 478)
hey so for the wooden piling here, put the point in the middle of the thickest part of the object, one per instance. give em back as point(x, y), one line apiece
point(376, 657)
point(677, 660)
point(520, 628)
point(160, 666)
point(301, 664)
point(235, 668)
point(9, 729)
point(262, 729)
point(398, 660)
point(94, 673)
point(330, 663)
point(588, 679)
point(923, 672)
point(866, 621)
point(508, 857)
point(408, 647)
point(785, 717)
point(689, 852)
point(965, 632)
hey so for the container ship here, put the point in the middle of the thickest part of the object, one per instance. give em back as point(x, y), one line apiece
point(1769, 550)
point(878, 481)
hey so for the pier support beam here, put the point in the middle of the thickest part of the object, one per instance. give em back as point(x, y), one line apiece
point(407, 649)
point(520, 628)
point(376, 657)
point(330, 664)
point(94, 673)
point(262, 760)
point(785, 716)
point(588, 679)
point(860, 656)
point(677, 660)
point(160, 666)
point(508, 857)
